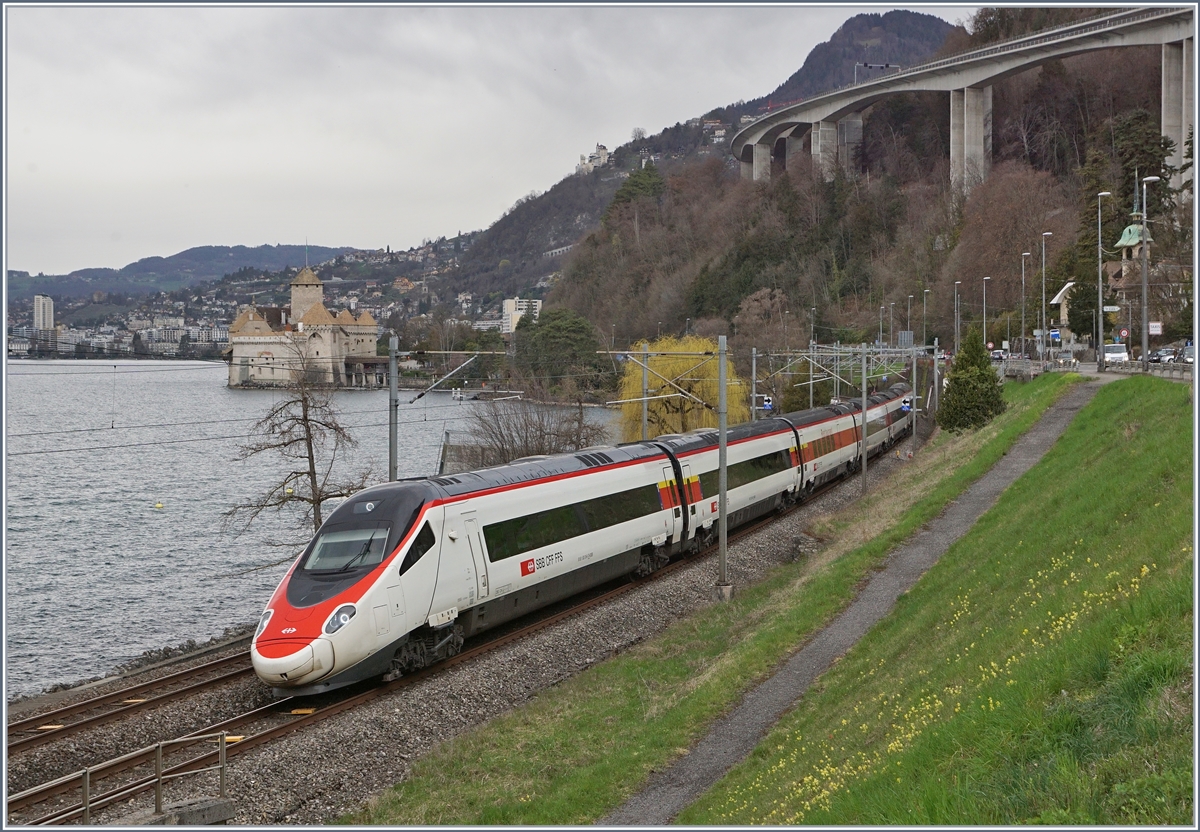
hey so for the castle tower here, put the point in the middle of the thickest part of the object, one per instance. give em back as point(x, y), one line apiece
point(307, 292)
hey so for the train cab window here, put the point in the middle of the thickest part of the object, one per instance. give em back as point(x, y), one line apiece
point(423, 543)
point(341, 549)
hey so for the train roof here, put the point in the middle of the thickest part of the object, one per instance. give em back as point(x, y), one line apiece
point(529, 469)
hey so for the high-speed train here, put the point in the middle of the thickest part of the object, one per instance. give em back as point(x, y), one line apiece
point(401, 573)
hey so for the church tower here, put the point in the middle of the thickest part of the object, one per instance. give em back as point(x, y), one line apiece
point(307, 292)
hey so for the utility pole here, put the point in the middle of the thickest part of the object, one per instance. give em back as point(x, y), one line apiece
point(1024, 254)
point(864, 419)
point(393, 406)
point(811, 382)
point(724, 590)
point(1145, 277)
point(924, 308)
point(1100, 287)
point(1042, 351)
point(753, 384)
point(957, 318)
point(645, 391)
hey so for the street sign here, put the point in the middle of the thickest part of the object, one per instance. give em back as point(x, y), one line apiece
point(1155, 328)
point(1124, 332)
point(1037, 333)
point(1054, 335)
point(1112, 309)
point(991, 345)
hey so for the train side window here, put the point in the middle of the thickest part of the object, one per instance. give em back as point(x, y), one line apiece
point(423, 543)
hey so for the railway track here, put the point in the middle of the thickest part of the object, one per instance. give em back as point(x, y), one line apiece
point(137, 772)
point(50, 726)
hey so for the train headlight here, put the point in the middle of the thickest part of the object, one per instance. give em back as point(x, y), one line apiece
point(341, 617)
point(262, 623)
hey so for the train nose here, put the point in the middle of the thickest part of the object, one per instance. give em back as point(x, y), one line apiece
point(287, 663)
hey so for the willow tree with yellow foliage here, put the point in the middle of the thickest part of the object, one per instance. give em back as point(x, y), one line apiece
point(680, 366)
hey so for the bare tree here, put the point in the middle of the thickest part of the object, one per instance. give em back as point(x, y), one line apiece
point(510, 429)
point(304, 429)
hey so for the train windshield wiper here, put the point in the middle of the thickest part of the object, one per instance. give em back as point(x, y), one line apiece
point(362, 554)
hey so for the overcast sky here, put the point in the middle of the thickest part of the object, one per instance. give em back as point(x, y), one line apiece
point(141, 131)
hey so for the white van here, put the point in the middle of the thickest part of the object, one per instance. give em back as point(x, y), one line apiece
point(1115, 352)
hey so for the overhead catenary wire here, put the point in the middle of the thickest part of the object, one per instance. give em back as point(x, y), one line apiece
point(124, 445)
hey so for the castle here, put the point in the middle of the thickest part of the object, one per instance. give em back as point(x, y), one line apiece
point(280, 347)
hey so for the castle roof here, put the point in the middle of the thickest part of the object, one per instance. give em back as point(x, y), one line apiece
point(365, 319)
point(317, 315)
point(344, 317)
point(249, 322)
point(306, 278)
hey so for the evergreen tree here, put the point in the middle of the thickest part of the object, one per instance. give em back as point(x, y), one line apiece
point(645, 183)
point(973, 396)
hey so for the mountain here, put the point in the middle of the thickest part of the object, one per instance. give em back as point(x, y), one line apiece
point(900, 38)
point(165, 274)
point(507, 256)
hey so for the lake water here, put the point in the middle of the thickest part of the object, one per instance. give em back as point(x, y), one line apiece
point(94, 573)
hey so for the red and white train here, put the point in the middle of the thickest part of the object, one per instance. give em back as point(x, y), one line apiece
point(400, 574)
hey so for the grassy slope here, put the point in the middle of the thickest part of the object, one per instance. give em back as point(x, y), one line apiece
point(576, 752)
point(1056, 686)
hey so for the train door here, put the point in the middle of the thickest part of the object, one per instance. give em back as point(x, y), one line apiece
point(671, 493)
point(478, 553)
point(691, 496)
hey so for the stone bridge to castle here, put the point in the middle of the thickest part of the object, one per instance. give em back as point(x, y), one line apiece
point(829, 125)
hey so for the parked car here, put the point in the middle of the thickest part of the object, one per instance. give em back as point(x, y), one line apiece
point(999, 355)
point(1114, 353)
point(1189, 355)
point(1166, 355)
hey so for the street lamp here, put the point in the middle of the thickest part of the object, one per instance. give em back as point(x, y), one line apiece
point(1099, 288)
point(924, 305)
point(891, 308)
point(1024, 254)
point(985, 338)
point(1042, 349)
point(812, 321)
point(1145, 277)
point(908, 320)
point(881, 327)
point(957, 317)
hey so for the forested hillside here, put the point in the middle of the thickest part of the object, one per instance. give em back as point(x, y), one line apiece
point(507, 256)
point(722, 255)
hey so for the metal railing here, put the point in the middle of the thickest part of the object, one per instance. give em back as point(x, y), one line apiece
point(84, 810)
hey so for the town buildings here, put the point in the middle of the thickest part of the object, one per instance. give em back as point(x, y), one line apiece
point(515, 308)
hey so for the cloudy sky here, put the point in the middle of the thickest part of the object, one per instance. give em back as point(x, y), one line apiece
point(141, 131)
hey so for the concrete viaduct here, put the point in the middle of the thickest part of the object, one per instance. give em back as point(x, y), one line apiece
point(832, 121)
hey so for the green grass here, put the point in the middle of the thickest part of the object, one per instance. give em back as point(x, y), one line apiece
point(576, 752)
point(1040, 673)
